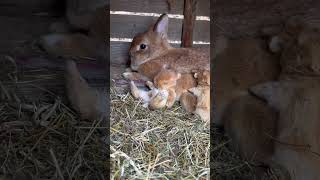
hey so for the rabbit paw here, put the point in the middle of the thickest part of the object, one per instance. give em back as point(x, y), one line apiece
point(127, 75)
point(150, 84)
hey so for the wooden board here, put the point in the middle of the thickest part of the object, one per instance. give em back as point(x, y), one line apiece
point(149, 6)
point(16, 30)
point(239, 18)
point(30, 7)
point(158, 6)
point(127, 26)
point(123, 26)
point(119, 53)
point(189, 14)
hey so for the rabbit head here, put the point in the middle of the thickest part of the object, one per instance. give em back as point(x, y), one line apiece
point(150, 44)
point(203, 78)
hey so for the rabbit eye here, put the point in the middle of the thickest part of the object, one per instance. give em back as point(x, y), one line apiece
point(143, 46)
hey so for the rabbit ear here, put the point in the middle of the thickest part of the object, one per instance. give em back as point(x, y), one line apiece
point(162, 25)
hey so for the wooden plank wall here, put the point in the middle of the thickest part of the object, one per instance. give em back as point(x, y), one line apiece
point(31, 7)
point(127, 26)
point(245, 18)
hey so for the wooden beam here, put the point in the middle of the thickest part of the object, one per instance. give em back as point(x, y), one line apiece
point(189, 13)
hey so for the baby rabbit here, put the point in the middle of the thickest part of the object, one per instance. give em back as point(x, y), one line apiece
point(88, 102)
point(162, 92)
point(202, 92)
point(146, 96)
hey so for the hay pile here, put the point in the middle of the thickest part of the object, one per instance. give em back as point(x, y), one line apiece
point(44, 139)
point(226, 164)
point(161, 144)
point(169, 144)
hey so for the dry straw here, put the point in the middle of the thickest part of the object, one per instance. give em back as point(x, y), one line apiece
point(170, 144)
point(45, 139)
point(161, 144)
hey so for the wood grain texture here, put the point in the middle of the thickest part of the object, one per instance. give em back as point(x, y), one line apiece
point(128, 26)
point(158, 6)
point(149, 6)
point(189, 13)
point(119, 52)
point(23, 7)
point(16, 30)
point(240, 18)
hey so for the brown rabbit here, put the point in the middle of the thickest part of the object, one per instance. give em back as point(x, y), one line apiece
point(203, 78)
point(297, 144)
point(203, 101)
point(251, 124)
point(91, 17)
point(90, 103)
point(202, 92)
point(151, 50)
point(298, 45)
point(167, 79)
point(240, 64)
point(159, 97)
point(187, 100)
point(162, 92)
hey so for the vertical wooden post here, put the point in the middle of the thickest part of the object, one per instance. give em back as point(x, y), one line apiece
point(189, 13)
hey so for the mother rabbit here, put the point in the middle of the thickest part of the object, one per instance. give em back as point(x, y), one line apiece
point(150, 52)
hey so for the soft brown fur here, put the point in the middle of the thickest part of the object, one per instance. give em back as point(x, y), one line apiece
point(158, 53)
point(182, 60)
point(251, 124)
point(296, 98)
point(297, 144)
point(156, 98)
point(188, 101)
point(166, 80)
point(238, 65)
point(299, 45)
point(203, 78)
point(203, 101)
point(158, 101)
point(159, 98)
point(90, 103)
point(185, 82)
point(241, 64)
point(85, 16)
point(202, 92)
